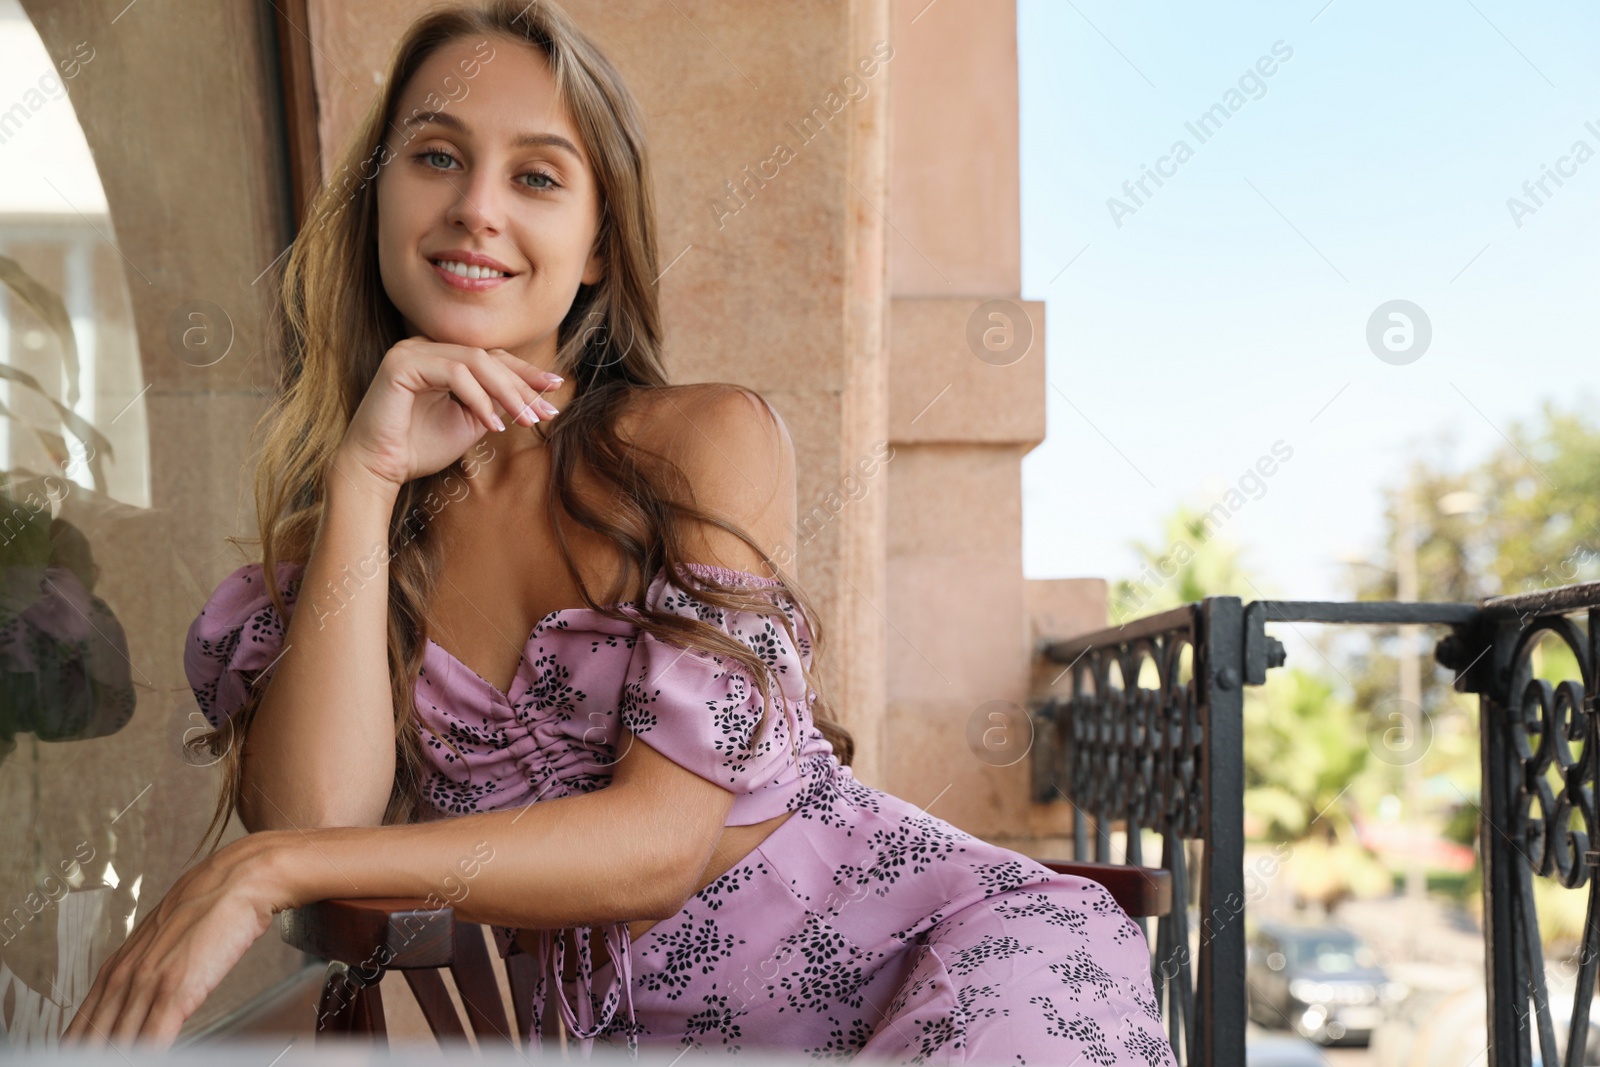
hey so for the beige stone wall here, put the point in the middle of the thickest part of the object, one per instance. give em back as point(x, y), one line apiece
point(966, 402)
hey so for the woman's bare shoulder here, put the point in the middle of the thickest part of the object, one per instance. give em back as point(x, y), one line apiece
point(669, 418)
point(735, 451)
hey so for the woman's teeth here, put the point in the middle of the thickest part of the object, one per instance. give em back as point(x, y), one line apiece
point(469, 272)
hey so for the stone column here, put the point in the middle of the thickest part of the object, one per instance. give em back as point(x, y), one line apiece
point(966, 403)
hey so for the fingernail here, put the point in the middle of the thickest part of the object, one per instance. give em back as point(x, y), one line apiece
point(528, 413)
point(558, 379)
point(497, 423)
point(551, 409)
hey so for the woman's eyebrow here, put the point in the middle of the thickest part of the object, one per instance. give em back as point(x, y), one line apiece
point(522, 140)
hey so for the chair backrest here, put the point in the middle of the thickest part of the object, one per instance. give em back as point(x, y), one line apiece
point(1143, 892)
point(363, 939)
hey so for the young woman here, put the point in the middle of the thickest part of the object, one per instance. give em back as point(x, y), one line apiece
point(452, 710)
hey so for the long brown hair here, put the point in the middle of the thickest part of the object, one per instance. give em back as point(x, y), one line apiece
point(336, 323)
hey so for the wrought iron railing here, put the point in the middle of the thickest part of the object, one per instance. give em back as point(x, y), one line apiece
point(1148, 735)
point(1532, 732)
point(1168, 757)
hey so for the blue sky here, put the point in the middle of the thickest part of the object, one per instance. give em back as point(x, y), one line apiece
point(1229, 311)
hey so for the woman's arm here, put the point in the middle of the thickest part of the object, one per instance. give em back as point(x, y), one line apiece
point(321, 749)
point(632, 850)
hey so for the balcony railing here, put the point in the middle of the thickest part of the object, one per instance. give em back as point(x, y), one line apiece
point(1149, 736)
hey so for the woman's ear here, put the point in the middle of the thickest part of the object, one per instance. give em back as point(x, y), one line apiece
point(595, 268)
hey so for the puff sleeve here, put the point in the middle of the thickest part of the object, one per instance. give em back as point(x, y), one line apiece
point(237, 635)
point(702, 711)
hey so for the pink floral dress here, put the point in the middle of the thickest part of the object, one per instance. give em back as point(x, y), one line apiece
point(861, 927)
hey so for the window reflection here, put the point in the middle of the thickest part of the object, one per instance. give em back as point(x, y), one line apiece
point(73, 451)
point(65, 318)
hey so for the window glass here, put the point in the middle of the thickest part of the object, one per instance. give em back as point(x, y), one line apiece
point(124, 427)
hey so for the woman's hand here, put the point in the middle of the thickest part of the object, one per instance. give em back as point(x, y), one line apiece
point(431, 401)
point(179, 952)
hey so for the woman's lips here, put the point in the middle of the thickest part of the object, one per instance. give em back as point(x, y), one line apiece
point(471, 285)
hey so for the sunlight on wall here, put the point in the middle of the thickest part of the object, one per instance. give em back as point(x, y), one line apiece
point(68, 350)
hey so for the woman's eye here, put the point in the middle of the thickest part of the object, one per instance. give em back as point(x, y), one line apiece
point(441, 160)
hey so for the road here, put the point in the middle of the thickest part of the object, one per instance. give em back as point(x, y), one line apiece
point(1431, 945)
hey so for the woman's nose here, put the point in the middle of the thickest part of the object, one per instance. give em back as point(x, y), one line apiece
point(478, 204)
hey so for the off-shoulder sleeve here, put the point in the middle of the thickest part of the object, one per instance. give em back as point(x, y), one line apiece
point(236, 635)
point(702, 710)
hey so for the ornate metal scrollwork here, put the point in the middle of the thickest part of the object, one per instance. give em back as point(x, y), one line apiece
point(1549, 755)
point(1135, 754)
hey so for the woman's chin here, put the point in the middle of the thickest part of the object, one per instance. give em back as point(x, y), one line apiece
point(447, 332)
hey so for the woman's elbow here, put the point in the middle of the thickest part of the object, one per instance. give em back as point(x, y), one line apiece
point(668, 896)
point(663, 882)
point(258, 812)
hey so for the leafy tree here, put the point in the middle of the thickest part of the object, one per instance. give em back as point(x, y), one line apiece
point(1526, 518)
point(1192, 562)
point(1303, 746)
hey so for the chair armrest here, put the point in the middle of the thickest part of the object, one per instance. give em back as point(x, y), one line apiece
point(389, 933)
point(1143, 892)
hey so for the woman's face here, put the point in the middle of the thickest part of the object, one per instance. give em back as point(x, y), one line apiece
point(489, 164)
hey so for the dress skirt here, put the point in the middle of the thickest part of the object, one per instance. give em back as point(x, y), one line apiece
point(865, 928)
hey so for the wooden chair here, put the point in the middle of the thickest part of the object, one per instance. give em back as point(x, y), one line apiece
point(1143, 892)
point(365, 938)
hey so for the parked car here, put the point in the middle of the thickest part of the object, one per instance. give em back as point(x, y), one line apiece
point(1323, 982)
